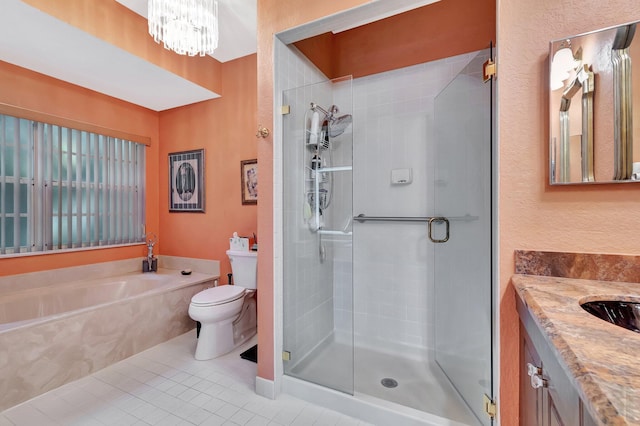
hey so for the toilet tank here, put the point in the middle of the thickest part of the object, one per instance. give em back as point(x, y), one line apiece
point(244, 266)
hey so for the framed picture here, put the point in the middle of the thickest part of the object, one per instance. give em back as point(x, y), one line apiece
point(249, 179)
point(186, 181)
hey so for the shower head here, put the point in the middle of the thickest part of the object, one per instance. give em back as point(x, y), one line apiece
point(337, 126)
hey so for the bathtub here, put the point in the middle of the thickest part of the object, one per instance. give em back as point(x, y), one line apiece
point(51, 335)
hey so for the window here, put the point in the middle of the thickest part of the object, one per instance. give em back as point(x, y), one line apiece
point(64, 188)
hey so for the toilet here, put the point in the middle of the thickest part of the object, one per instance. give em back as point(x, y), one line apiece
point(227, 313)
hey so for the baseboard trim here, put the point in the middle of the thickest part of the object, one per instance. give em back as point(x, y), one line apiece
point(266, 388)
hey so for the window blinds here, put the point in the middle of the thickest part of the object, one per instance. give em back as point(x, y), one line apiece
point(65, 188)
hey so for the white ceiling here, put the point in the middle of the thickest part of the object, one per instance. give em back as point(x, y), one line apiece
point(37, 41)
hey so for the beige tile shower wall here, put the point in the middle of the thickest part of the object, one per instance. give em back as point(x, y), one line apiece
point(36, 359)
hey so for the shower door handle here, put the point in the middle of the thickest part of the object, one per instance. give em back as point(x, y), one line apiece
point(437, 220)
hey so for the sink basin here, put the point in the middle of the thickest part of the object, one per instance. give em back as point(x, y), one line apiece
point(618, 312)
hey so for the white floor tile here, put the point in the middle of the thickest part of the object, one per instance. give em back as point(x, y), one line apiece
point(233, 397)
point(192, 381)
point(130, 405)
point(26, 414)
point(213, 405)
point(258, 421)
point(214, 420)
point(170, 420)
point(181, 377)
point(286, 416)
point(184, 411)
point(110, 415)
point(81, 421)
point(198, 416)
point(188, 394)
point(201, 400)
point(166, 386)
point(176, 389)
point(150, 395)
point(242, 417)
point(262, 407)
point(227, 410)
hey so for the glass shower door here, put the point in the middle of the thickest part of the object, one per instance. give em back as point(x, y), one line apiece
point(317, 257)
point(462, 268)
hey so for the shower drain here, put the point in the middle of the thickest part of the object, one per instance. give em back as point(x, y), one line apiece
point(389, 383)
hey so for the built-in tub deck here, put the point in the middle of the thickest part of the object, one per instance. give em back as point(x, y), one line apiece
point(41, 304)
point(59, 332)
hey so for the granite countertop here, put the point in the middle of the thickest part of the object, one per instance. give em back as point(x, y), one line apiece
point(601, 359)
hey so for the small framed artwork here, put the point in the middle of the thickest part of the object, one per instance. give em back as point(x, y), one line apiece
point(249, 180)
point(186, 181)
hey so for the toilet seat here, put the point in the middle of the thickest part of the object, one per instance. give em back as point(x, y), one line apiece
point(217, 295)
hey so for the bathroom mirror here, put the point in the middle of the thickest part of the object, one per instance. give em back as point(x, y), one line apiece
point(593, 107)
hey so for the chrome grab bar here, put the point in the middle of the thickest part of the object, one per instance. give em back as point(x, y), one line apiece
point(437, 220)
point(430, 221)
point(363, 218)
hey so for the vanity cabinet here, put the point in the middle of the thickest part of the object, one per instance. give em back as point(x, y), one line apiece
point(547, 396)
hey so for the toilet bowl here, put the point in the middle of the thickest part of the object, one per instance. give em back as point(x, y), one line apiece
point(227, 314)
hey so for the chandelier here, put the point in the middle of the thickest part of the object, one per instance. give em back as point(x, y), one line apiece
point(188, 27)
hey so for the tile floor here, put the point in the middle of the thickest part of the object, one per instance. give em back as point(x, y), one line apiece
point(165, 386)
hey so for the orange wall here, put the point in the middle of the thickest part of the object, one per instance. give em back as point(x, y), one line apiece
point(532, 214)
point(439, 30)
point(321, 51)
point(225, 128)
point(26, 89)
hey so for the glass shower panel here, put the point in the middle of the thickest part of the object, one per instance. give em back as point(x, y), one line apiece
point(317, 234)
point(462, 269)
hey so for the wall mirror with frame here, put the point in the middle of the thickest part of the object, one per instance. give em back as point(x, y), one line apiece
point(594, 102)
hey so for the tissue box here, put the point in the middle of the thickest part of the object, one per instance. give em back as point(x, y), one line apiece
point(239, 244)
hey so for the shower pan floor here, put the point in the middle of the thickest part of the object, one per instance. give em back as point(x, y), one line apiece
point(421, 385)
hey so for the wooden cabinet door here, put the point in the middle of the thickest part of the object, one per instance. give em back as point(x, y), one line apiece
point(558, 402)
point(553, 417)
point(531, 400)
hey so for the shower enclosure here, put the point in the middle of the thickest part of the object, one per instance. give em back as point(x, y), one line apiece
point(387, 238)
point(318, 232)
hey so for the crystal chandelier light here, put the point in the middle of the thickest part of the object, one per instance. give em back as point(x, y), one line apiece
point(188, 27)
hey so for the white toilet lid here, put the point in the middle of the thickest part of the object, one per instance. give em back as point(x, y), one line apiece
point(217, 295)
